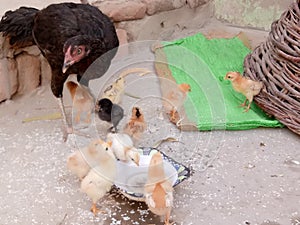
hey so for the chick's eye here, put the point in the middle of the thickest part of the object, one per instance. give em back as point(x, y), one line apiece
point(79, 50)
point(106, 149)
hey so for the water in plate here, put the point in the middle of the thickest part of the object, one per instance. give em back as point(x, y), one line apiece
point(132, 178)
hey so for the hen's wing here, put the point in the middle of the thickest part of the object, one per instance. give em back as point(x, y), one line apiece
point(54, 25)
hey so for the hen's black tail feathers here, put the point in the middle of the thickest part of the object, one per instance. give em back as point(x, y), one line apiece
point(17, 26)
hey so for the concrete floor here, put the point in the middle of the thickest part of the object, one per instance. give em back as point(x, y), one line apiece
point(239, 177)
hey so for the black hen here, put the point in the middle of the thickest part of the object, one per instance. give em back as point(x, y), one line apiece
point(70, 36)
point(110, 112)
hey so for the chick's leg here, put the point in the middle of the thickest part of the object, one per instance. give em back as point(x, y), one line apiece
point(167, 220)
point(68, 130)
point(173, 114)
point(95, 210)
point(250, 99)
point(248, 107)
point(244, 103)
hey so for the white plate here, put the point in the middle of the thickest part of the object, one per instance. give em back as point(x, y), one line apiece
point(131, 178)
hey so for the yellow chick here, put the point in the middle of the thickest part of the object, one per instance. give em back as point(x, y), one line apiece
point(247, 87)
point(80, 162)
point(136, 125)
point(83, 101)
point(158, 189)
point(122, 146)
point(100, 178)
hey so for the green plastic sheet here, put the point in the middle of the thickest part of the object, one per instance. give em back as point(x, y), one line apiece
point(212, 103)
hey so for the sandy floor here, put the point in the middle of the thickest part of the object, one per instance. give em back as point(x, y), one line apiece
point(239, 177)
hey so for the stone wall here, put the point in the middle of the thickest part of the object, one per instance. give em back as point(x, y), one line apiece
point(151, 19)
point(23, 70)
point(250, 13)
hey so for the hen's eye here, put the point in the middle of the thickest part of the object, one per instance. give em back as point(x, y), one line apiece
point(79, 51)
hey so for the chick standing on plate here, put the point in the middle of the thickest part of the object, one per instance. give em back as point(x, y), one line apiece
point(83, 101)
point(158, 189)
point(177, 97)
point(80, 162)
point(136, 125)
point(100, 178)
point(109, 112)
point(122, 146)
point(247, 87)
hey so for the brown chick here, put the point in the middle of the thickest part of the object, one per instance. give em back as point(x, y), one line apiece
point(177, 98)
point(100, 178)
point(247, 87)
point(80, 162)
point(158, 189)
point(136, 125)
point(83, 101)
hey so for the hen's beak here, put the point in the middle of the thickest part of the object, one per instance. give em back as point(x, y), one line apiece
point(67, 64)
point(65, 67)
point(68, 60)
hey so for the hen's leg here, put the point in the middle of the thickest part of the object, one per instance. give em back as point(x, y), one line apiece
point(67, 129)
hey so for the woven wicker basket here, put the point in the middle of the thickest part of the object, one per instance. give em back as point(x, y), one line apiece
point(276, 62)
